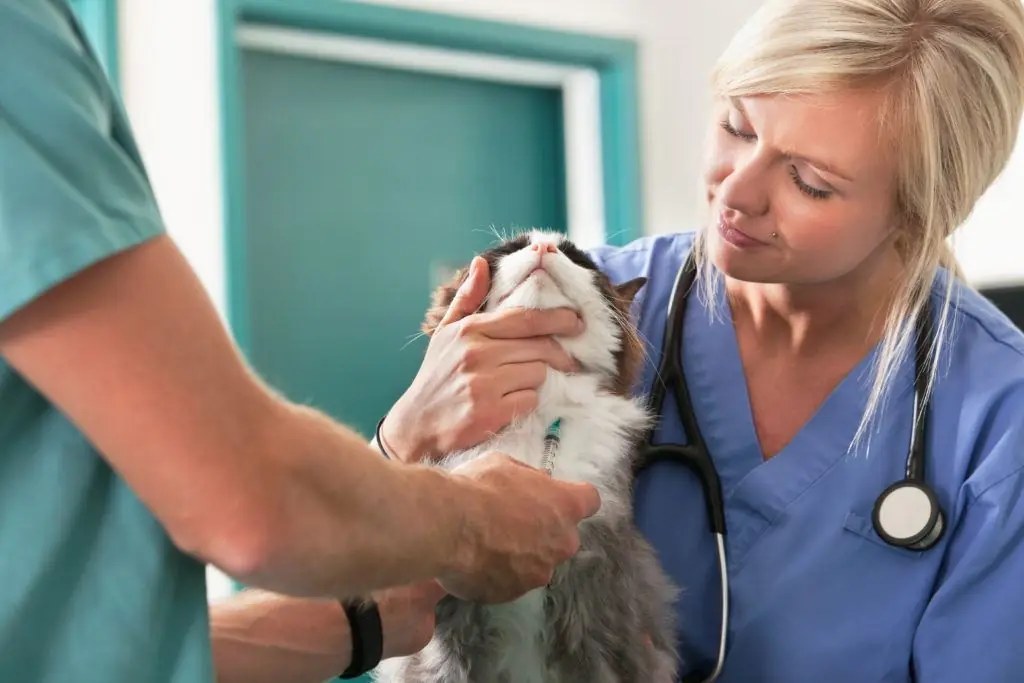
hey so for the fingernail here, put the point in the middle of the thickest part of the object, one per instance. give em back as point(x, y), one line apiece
point(467, 282)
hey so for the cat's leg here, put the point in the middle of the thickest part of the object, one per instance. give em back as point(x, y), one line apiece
point(435, 664)
point(611, 610)
point(445, 658)
point(656, 614)
point(586, 615)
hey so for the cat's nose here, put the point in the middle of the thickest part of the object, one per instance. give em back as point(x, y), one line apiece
point(544, 247)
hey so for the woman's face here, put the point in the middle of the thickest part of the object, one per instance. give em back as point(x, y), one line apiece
point(816, 171)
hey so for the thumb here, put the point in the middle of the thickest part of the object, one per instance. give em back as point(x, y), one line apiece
point(430, 592)
point(586, 497)
point(471, 294)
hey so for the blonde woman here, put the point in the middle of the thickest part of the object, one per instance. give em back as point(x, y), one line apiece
point(849, 140)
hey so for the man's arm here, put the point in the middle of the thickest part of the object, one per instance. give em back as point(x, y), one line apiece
point(261, 637)
point(275, 494)
point(129, 347)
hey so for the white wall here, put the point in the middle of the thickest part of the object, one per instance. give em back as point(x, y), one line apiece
point(172, 98)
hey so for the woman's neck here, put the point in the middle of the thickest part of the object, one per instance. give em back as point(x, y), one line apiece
point(801, 320)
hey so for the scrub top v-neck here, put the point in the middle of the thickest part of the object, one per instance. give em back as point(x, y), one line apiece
point(815, 593)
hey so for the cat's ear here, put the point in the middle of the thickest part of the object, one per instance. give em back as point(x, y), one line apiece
point(442, 300)
point(627, 291)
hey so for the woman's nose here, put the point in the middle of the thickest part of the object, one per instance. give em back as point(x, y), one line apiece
point(744, 189)
point(744, 193)
point(544, 247)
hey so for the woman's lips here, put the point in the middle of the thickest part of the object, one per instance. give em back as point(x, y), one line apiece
point(736, 237)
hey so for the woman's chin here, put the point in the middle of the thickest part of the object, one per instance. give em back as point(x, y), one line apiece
point(740, 264)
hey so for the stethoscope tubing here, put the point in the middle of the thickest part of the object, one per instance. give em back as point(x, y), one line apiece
point(696, 456)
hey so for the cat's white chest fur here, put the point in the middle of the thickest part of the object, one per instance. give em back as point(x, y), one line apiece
point(595, 427)
point(594, 438)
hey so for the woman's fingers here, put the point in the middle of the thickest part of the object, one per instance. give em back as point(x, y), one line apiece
point(496, 353)
point(519, 376)
point(517, 404)
point(518, 323)
point(471, 293)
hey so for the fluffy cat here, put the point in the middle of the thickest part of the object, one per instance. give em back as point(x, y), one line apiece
point(606, 616)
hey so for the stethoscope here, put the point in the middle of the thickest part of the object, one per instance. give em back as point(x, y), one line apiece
point(907, 514)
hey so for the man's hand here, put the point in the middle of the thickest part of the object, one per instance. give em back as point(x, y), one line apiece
point(520, 525)
point(408, 617)
point(480, 371)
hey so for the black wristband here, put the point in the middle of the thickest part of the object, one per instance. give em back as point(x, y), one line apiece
point(380, 442)
point(367, 637)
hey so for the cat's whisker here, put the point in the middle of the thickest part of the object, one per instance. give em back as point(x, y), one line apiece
point(412, 339)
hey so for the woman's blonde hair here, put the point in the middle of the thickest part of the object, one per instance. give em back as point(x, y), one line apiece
point(953, 73)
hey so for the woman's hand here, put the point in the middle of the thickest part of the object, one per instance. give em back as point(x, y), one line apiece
point(480, 371)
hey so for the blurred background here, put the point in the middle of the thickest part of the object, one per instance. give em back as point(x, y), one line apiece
point(324, 164)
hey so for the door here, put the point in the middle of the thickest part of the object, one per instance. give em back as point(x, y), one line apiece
point(364, 185)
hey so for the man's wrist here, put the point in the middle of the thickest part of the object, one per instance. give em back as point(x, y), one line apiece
point(442, 504)
point(367, 637)
point(460, 513)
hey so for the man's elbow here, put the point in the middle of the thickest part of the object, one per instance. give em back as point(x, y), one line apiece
point(241, 542)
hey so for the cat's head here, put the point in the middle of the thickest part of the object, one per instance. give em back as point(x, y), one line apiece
point(542, 270)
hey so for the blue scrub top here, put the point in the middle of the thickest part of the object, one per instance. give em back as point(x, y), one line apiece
point(91, 588)
point(816, 595)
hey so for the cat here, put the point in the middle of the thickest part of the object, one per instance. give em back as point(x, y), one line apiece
point(606, 616)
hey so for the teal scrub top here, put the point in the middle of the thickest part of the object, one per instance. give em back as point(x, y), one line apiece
point(91, 587)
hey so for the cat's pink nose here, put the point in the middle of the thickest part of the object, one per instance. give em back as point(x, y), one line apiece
point(544, 247)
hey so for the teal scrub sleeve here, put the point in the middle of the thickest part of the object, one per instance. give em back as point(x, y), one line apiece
point(73, 189)
point(972, 628)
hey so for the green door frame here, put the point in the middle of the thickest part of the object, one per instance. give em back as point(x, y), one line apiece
point(99, 19)
point(615, 61)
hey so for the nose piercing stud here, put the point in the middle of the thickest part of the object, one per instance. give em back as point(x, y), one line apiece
point(773, 235)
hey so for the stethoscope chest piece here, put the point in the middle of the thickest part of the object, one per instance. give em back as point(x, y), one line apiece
point(907, 515)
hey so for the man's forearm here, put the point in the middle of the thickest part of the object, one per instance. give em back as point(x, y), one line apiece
point(260, 637)
point(273, 494)
point(346, 520)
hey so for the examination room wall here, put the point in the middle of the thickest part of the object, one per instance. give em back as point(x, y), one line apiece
point(168, 67)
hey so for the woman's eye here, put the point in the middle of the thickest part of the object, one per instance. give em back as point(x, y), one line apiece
point(731, 130)
point(809, 190)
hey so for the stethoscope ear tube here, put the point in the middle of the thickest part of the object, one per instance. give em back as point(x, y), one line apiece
point(694, 454)
point(702, 467)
